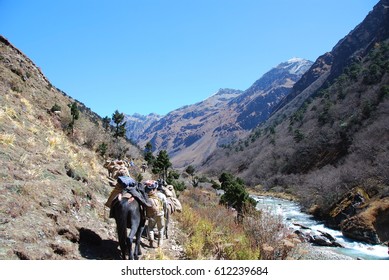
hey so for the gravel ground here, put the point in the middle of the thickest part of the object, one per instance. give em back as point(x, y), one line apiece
point(310, 252)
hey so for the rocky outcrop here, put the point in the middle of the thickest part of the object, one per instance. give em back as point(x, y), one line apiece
point(371, 225)
point(360, 218)
point(347, 207)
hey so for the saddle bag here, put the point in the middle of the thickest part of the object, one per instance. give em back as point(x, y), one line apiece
point(176, 204)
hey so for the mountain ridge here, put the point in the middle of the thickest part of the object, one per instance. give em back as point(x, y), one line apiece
point(192, 132)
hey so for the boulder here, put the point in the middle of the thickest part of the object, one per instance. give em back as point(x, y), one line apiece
point(320, 239)
point(327, 235)
point(361, 229)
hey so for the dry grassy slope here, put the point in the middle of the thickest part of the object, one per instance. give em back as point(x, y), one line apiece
point(44, 213)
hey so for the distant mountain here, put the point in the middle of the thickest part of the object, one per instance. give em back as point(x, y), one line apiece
point(257, 102)
point(191, 133)
point(137, 123)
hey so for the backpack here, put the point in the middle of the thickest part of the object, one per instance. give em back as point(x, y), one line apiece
point(156, 209)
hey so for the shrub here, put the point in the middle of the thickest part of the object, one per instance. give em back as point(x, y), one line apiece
point(298, 136)
point(55, 108)
point(102, 149)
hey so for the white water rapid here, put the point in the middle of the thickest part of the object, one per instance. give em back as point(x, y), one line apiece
point(291, 214)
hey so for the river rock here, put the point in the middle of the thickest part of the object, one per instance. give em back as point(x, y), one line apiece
point(320, 239)
point(303, 236)
point(359, 228)
point(301, 226)
point(327, 235)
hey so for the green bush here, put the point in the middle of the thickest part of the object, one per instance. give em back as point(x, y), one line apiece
point(55, 108)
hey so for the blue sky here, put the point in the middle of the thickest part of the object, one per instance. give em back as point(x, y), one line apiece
point(154, 56)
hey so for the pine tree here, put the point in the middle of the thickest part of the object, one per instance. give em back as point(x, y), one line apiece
point(162, 163)
point(190, 170)
point(75, 115)
point(106, 123)
point(148, 154)
point(120, 128)
point(235, 194)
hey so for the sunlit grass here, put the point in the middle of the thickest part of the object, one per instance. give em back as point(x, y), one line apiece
point(10, 113)
point(212, 230)
point(7, 139)
point(56, 141)
point(27, 106)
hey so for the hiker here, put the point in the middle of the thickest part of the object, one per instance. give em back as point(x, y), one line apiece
point(155, 214)
point(144, 167)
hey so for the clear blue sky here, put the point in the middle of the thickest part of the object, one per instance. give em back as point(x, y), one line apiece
point(154, 56)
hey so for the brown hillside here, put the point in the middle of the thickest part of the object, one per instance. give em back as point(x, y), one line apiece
point(52, 183)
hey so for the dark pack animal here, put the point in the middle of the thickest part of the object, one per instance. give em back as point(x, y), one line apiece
point(128, 213)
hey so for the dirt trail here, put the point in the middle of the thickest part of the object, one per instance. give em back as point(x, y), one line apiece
point(171, 249)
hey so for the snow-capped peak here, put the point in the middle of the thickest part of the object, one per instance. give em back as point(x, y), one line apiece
point(296, 65)
point(295, 59)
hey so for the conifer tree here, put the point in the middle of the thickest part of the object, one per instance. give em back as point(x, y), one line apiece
point(162, 163)
point(148, 154)
point(106, 123)
point(120, 126)
point(235, 194)
point(75, 112)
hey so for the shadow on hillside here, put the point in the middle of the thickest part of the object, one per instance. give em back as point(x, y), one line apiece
point(91, 246)
point(107, 250)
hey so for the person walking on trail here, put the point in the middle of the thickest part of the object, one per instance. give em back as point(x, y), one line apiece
point(155, 214)
point(144, 167)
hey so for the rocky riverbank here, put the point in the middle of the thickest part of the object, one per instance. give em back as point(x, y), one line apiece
point(321, 253)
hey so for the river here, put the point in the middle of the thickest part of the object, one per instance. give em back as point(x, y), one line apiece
point(291, 214)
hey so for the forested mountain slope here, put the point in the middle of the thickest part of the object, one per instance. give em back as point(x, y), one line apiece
point(333, 135)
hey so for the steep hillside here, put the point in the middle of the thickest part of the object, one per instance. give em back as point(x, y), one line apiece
point(190, 134)
point(52, 183)
point(258, 101)
point(352, 47)
point(331, 135)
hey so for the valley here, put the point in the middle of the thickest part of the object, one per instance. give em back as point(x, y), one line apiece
point(314, 131)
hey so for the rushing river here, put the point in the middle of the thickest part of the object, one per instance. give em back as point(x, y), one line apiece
point(291, 214)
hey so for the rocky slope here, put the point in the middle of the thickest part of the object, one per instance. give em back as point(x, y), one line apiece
point(190, 134)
